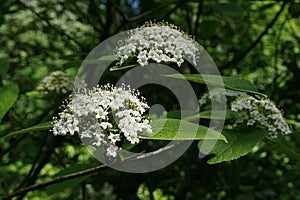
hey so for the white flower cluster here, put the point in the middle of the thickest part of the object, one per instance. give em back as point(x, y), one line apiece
point(58, 82)
point(103, 115)
point(260, 112)
point(159, 43)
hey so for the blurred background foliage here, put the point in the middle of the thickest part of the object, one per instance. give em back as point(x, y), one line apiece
point(258, 40)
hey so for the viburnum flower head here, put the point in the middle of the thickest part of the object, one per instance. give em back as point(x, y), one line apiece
point(58, 82)
point(261, 112)
point(103, 115)
point(159, 43)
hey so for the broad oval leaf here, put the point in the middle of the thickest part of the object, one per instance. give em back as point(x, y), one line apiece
point(239, 144)
point(175, 129)
point(231, 83)
point(8, 96)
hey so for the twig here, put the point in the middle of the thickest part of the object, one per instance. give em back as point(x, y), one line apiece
point(153, 153)
point(41, 163)
point(33, 164)
point(240, 56)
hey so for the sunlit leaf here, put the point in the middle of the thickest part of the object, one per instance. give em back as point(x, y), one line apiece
point(232, 83)
point(175, 129)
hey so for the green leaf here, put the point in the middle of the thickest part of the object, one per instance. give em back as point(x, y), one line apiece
point(8, 96)
point(77, 63)
point(177, 114)
point(231, 83)
point(4, 65)
point(216, 114)
point(116, 68)
point(175, 129)
point(39, 127)
point(239, 144)
point(60, 187)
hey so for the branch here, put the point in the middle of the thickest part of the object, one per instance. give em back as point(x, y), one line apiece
point(55, 28)
point(154, 153)
point(119, 9)
point(200, 8)
point(188, 20)
point(84, 172)
point(28, 176)
point(240, 56)
point(54, 181)
point(151, 11)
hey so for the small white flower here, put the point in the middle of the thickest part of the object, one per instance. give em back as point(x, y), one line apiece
point(133, 140)
point(106, 125)
point(112, 151)
point(114, 137)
